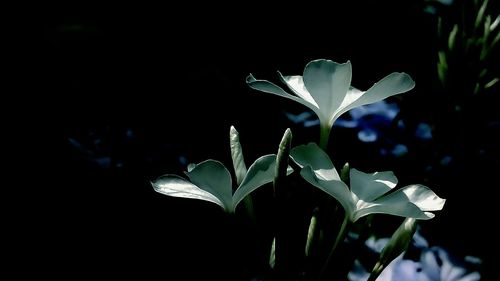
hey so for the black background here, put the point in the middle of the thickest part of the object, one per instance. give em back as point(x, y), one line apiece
point(174, 75)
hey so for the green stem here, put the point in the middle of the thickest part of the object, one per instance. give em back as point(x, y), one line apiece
point(324, 136)
point(340, 237)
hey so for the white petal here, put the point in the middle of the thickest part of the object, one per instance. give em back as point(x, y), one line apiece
point(268, 87)
point(370, 186)
point(175, 186)
point(393, 84)
point(335, 188)
point(212, 176)
point(393, 206)
point(423, 197)
point(328, 83)
point(312, 155)
point(296, 84)
point(413, 201)
point(352, 95)
point(262, 171)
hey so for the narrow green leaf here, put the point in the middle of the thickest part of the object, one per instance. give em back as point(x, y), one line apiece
point(311, 233)
point(495, 40)
point(483, 73)
point(452, 37)
point(486, 31)
point(495, 23)
point(272, 255)
point(491, 83)
point(440, 27)
point(480, 14)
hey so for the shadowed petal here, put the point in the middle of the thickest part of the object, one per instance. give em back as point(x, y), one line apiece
point(212, 176)
point(370, 186)
point(335, 188)
point(259, 173)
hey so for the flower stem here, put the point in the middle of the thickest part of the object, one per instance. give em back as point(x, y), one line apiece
point(324, 136)
point(340, 237)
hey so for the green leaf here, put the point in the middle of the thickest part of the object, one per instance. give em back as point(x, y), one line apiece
point(240, 169)
point(272, 255)
point(453, 37)
point(312, 155)
point(214, 178)
point(175, 186)
point(491, 83)
point(495, 23)
point(480, 14)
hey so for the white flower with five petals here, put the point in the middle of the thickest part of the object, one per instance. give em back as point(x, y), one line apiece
point(325, 88)
point(366, 193)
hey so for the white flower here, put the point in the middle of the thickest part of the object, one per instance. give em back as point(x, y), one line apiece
point(368, 193)
point(325, 87)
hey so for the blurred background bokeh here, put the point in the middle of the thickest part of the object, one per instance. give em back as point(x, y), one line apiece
point(143, 91)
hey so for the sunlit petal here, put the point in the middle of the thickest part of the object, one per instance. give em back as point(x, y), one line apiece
point(312, 155)
point(296, 84)
point(328, 83)
point(268, 87)
point(395, 207)
point(176, 186)
point(393, 84)
point(422, 196)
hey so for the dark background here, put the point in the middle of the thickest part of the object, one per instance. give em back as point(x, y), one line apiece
point(135, 92)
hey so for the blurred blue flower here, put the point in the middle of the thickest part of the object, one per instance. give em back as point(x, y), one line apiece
point(374, 124)
point(434, 264)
